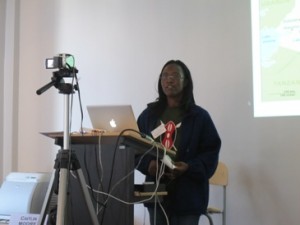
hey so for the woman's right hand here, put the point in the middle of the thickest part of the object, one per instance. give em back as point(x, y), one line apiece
point(153, 167)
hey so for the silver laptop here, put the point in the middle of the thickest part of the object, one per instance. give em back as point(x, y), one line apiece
point(112, 118)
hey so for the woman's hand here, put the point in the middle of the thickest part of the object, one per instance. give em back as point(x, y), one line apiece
point(153, 167)
point(180, 168)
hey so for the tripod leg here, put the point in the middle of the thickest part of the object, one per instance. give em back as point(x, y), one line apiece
point(87, 197)
point(62, 197)
point(47, 200)
point(84, 189)
point(59, 179)
point(63, 186)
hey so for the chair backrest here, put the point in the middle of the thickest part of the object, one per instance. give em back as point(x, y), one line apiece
point(220, 176)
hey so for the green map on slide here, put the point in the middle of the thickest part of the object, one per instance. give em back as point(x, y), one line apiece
point(280, 49)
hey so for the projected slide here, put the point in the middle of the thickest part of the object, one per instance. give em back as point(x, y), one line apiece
point(276, 57)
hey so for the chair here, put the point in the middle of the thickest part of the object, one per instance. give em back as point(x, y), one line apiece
point(220, 179)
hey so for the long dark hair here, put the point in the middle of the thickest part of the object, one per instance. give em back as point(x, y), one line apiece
point(187, 93)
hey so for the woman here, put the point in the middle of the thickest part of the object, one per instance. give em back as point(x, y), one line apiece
point(178, 123)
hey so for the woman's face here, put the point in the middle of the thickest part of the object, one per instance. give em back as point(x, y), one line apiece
point(172, 80)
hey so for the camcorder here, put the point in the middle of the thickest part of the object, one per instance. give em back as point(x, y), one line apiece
point(62, 61)
point(65, 63)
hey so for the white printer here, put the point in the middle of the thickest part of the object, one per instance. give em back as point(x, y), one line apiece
point(23, 193)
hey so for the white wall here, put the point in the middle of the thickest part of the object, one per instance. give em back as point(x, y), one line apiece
point(2, 38)
point(9, 85)
point(120, 47)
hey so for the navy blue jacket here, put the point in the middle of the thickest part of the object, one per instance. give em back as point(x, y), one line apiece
point(199, 148)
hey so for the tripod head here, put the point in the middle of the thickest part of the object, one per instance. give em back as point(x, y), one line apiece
point(57, 80)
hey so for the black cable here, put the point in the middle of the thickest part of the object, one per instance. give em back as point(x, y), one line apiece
point(89, 177)
point(80, 103)
point(113, 164)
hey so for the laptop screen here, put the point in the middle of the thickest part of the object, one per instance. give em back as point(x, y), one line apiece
point(115, 118)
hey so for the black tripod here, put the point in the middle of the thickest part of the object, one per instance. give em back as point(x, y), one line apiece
point(65, 160)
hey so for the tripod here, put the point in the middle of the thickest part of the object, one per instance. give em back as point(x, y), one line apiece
point(65, 160)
